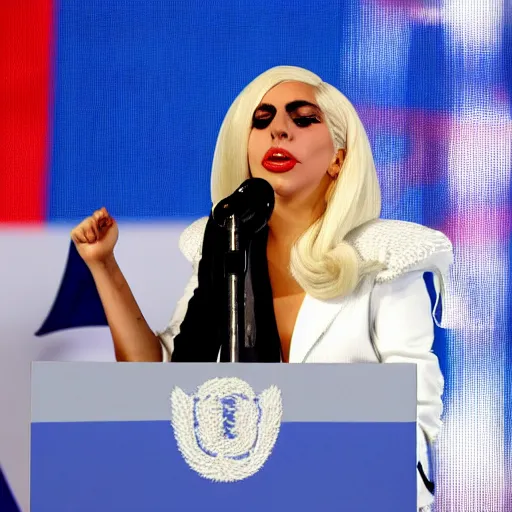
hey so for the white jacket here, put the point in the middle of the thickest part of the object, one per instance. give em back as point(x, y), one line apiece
point(387, 319)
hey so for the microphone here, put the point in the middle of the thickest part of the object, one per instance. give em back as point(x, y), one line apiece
point(252, 203)
point(247, 210)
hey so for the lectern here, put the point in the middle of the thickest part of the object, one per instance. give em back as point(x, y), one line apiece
point(247, 437)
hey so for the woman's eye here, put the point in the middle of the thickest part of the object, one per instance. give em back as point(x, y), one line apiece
point(260, 123)
point(305, 121)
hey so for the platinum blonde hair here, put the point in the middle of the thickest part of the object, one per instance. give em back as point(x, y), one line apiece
point(321, 261)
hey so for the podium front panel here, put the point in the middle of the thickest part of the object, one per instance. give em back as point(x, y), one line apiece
point(155, 437)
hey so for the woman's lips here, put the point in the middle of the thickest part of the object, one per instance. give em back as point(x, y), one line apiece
point(278, 160)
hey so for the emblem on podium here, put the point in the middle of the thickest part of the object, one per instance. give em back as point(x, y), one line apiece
point(225, 431)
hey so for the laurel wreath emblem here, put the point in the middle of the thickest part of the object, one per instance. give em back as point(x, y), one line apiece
point(225, 432)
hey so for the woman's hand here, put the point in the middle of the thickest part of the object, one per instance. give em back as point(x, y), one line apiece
point(95, 237)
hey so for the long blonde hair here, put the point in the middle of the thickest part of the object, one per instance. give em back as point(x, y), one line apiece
point(322, 263)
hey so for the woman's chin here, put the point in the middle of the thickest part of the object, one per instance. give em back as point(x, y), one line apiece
point(284, 185)
point(281, 185)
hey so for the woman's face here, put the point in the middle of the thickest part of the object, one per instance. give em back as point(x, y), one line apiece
point(290, 145)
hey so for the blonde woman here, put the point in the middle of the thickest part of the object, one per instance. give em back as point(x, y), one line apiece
point(328, 281)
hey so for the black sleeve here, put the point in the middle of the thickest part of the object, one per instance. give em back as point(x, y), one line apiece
point(200, 335)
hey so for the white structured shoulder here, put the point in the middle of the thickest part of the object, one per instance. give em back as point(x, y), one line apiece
point(191, 240)
point(404, 247)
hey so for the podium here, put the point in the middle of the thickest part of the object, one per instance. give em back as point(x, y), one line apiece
point(153, 437)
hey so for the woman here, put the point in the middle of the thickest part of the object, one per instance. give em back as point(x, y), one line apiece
point(327, 282)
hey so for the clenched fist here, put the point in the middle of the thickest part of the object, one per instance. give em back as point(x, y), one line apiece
point(95, 237)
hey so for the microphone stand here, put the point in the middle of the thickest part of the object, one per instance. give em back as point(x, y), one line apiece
point(242, 214)
point(235, 271)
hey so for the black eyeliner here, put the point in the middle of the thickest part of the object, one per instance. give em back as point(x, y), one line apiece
point(305, 121)
point(269, 112)
point(266, 107)
point(263, 122)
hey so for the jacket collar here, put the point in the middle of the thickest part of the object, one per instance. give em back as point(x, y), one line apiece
point(313, 321)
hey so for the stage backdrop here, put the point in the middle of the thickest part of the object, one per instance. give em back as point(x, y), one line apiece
point(118, 103)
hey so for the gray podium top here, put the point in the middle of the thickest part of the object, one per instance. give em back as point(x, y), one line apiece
point(366, 392)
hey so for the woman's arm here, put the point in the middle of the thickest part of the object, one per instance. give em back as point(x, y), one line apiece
point(132, 337)
point(95, 238)
point(404, 333)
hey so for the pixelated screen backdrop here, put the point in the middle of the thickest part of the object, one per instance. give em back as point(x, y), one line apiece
point(119, 103)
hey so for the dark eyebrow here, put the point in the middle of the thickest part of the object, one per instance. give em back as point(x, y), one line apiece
point(294, 105)
point(290, 107)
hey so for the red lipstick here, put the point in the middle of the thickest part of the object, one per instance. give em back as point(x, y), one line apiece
point(278, 160)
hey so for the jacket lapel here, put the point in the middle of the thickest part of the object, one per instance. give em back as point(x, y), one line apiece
point(314, 319)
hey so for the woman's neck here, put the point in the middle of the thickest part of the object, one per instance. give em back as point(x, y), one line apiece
point(290, 220)
point(285, 227)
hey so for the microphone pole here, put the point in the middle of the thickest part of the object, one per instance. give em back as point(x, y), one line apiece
point(234, 271)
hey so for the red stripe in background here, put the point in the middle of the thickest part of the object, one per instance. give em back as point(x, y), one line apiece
point(26, 41)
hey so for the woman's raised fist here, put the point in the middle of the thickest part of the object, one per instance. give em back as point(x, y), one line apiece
point(95, 237)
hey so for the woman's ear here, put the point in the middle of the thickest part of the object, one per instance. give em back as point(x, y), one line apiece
point(336, 164)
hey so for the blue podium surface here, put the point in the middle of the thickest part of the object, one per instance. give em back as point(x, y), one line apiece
point(155, 437)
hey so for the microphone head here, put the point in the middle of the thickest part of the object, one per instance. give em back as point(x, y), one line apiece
point(252, 203)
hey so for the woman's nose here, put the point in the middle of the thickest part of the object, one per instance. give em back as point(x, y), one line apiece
point(278, 133)
point(280, 128)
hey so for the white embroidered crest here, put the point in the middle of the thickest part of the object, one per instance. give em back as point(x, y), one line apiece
point(224, 431)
